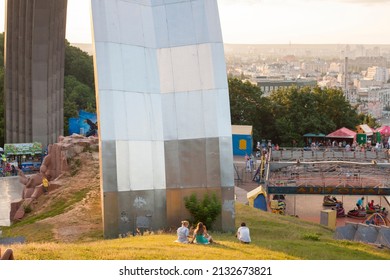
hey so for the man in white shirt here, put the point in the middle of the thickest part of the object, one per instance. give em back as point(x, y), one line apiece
point(243, 234)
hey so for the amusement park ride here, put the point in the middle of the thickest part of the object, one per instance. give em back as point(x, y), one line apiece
point(340, 176)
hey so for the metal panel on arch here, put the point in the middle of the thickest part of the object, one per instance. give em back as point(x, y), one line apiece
point(163, 111)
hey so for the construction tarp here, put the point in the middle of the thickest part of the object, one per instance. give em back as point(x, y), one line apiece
point(257, 198)
point(342, 133)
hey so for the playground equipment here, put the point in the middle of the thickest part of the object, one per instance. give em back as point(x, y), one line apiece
point(257, 198)
point(278, 205)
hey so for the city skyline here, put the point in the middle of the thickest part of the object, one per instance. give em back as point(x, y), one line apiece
point(274, 21)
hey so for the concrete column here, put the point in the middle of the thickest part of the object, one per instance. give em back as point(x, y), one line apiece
point(34, 64)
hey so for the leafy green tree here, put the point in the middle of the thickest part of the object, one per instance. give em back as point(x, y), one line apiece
point(79, 64)
point(249, 107)
point(369, 120)
point(79, 93)
point(297, 111)
point(206, 210)
point(77, 96)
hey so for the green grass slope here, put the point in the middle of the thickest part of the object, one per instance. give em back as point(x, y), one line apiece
point(67, 225)
point(274, 237)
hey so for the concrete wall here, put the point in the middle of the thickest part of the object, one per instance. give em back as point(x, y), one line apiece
point(364, 233)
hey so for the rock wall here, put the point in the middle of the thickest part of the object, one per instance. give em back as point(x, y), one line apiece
point(54, 165)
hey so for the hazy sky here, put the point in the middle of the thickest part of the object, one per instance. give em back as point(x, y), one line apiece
point(275, 21)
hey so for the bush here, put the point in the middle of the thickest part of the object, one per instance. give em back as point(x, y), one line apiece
point(310, 236)
point(27, 208)
point(205, 211)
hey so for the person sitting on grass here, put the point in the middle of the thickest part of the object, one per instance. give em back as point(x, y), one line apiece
point(183, 232)
point(201, 236)
point(243, 234)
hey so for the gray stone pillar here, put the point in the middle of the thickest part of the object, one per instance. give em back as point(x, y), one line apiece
point(34, 70)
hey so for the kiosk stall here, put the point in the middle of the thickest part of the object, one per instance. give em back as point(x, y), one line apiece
point(27, 156)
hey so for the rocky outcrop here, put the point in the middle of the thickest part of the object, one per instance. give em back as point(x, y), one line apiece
point(53, 166)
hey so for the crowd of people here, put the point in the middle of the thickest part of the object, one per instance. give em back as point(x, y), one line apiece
point(8, 169)
point(347, 146)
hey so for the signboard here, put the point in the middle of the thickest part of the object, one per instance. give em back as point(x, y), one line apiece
point(361, 138)
point(23, 149)
point(329, 190)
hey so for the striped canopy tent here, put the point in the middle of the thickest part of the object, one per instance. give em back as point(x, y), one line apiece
point(384, 130)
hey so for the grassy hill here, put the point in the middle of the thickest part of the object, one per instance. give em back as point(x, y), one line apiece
point(67, 225)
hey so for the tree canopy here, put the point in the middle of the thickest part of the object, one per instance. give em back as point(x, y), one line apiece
point(289, 113)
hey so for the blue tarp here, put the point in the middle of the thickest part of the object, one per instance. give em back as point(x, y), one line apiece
point(85, 124)
point(74, 126)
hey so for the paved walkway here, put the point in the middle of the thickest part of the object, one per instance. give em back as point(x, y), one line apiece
point(10, 191)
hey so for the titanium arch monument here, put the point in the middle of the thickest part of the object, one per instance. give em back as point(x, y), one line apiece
point(162, 100)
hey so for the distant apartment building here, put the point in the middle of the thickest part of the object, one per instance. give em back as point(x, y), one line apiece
point(372, 100)
point(380, 74)
point(315, 66)
point(384, 96)
point(268, 85)
point(361, 63)
point(365, 83)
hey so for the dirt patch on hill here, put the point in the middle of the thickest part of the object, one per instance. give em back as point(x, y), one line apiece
point(81, 220)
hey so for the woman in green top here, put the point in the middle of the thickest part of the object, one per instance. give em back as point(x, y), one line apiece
point(200, 235)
